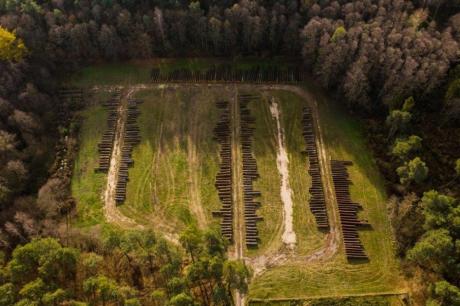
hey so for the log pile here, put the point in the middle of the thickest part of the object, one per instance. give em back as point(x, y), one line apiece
point(226, 73)
point(71, 95)
point(250, 172)
point(348, 211)
point(224, 178)
point(317, 200)
point(105, 147)
point(131, 137)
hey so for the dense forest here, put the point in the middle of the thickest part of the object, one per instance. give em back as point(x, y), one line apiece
point(393, 63)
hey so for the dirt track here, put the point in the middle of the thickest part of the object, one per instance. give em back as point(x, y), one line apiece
point(111, 212)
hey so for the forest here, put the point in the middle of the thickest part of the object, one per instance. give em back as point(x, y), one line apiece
point(393, 64)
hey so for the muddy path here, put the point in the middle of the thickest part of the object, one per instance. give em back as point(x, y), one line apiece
point(282, 163)
point(111, 211)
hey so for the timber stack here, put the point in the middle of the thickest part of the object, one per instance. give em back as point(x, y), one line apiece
point(250, 171)
point(224, 178)
point(131, 137)
point(105, 146)
point(348, 211)
point(317, 199)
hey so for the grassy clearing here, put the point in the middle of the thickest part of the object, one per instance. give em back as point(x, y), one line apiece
point(166, 177)
point(87, 186)
point(161, 183)
point(344, 140)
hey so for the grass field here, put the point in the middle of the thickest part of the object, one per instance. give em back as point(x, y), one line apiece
point(172, 182)
point(308, 236)
point(87, 186)
point(177, 160)
point(265, 147)
point(344, 140)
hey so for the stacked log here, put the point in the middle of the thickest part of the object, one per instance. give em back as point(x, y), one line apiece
point(317, 200)
point(224, 178)
point(226, 73)
point(105, 146)
point(131, 137)
point(250, 172)
point(71, 94)
point(348, 211)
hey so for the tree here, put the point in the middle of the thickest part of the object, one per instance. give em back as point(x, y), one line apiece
point(181, 299)
point(101, 288)
point(12, 48)
point(447, 293)
point(413, 171)
point(215, 28)
point(191, 240)
point(457, 167)
point(235, 275)
point(158, 297)
point(338, 34)
point(133, 302)
point(109, 42)
point(432, 250)
point(408, 104)
point(91, 263)
point(55, 298)
point(34, 290)
point(398, 121)
point(356, 84)
point(43, 258)
point(404, 146)
point(440, 211)
point(7, 294)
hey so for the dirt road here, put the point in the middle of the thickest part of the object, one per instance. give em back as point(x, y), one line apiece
point(111, 211)
point(239, 231)
point(282, 163)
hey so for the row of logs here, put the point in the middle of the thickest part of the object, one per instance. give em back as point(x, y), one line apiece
point(348, 211)
point(317, 200)
point(71, 93)
point(105, 146)
point(224, 178)
point(131, 137)
point(225, 73)
point(250, 172)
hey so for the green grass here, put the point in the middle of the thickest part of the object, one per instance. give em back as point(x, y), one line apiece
point(172, 122)
point(87, 186)
point(391, 300)
point(138, 71)
point(264, 149)
point(345, 140)
point(308, 236)
point(123, 73)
